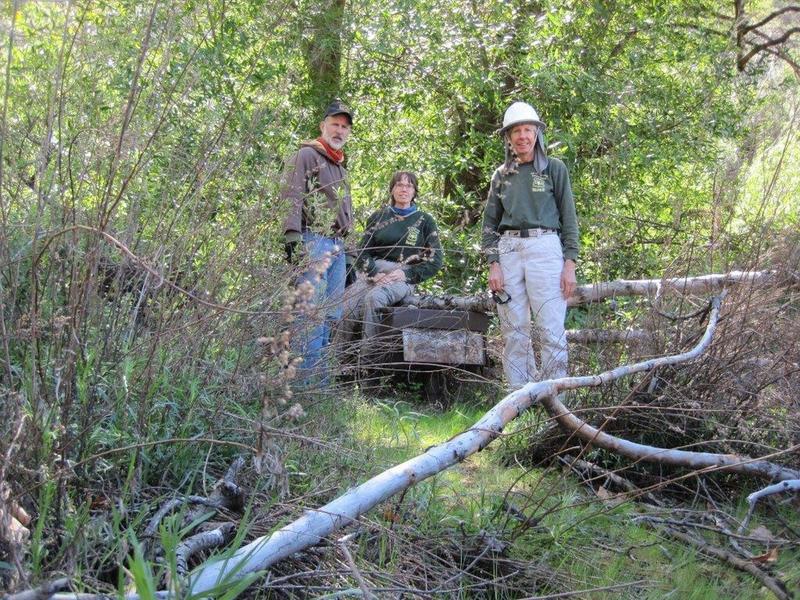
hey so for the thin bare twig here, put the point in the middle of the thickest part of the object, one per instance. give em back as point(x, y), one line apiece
point(366, 592)
point(583, 593)
point(775, 585)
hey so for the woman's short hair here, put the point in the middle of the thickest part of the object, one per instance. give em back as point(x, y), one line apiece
point(412, 179)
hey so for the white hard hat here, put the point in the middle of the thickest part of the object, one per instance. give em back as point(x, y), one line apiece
point(520, 112)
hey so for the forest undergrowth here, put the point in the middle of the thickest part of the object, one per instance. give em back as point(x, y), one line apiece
point(147, 311)
point(536, 514)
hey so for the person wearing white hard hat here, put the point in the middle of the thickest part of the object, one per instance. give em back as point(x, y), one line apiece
point(530, 238)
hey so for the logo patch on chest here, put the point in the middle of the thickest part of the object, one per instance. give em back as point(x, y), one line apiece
point(538, 182)
point(412, 238)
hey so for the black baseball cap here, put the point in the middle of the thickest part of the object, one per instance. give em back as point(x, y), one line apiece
point(337, 107)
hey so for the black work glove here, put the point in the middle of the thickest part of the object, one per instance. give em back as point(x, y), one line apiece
point(292, 252)
point(350, 277)
point(350, 270)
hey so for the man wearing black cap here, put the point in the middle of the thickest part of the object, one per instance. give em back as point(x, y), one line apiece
point(317, 190)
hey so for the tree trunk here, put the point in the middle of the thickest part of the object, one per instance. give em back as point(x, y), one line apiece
point(323, 52)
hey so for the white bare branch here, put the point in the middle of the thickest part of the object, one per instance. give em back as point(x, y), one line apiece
point(595, 292)
point(790, 485)
point(702, 284)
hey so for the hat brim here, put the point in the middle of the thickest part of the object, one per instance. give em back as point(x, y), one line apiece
point(539, 124)
point(346, 114)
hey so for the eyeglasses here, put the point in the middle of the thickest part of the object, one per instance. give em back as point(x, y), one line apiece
point(404, 185)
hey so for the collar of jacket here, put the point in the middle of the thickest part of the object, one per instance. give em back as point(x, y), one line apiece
point(321, 150)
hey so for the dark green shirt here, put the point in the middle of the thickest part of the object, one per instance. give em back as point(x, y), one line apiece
point(524, 200)
point(412, 240)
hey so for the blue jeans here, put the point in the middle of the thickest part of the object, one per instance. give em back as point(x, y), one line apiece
point(326, 272)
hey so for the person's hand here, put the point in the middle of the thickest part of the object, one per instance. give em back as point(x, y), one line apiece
point(568, 280)
point(496, 281)
point(397, 276)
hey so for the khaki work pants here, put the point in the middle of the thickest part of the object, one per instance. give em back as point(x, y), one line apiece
point(532, 273)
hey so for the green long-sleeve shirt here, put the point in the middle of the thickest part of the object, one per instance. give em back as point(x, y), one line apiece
point(412, 240)
point(524, 200)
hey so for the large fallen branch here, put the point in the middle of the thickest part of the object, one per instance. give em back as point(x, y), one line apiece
point(594, 292)
point(700, 285)
point(314, 525)
point(700, 461)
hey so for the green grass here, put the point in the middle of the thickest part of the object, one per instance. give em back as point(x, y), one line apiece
point(404, 429)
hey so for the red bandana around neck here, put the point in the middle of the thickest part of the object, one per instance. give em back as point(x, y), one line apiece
point(336, 156)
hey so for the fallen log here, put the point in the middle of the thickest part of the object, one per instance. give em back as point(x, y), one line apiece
point(699, 285)
point(595, 292)
point(314, 525)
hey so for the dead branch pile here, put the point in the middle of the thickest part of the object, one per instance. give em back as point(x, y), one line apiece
point(397, 559)
point(742, 395)
point(313, 526)
point(739, 398)
point(711, 535)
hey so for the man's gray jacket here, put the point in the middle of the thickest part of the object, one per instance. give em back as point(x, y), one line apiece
point(318, 193)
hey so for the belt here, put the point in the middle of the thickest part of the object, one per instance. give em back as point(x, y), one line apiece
point(529, 233)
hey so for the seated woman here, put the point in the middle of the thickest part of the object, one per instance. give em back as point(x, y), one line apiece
point(400, 248)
